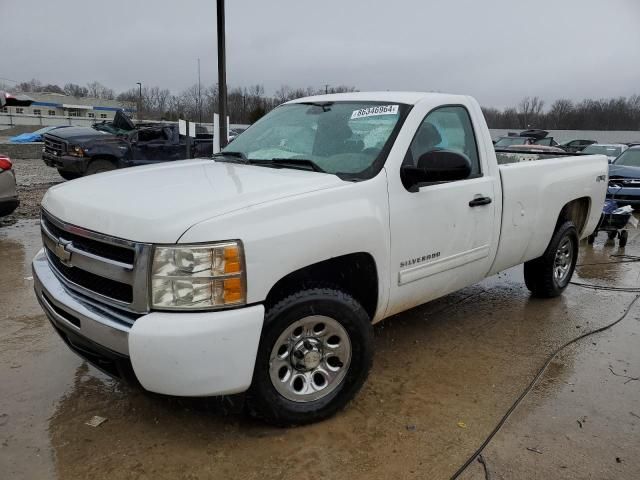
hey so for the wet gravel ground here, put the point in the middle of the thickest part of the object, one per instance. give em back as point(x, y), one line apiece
point(34, 178)
point(444, 374)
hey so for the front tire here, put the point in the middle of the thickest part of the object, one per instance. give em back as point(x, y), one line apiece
point(314, 356)
point(99, 166)
point(549, 275)
point(68, 175)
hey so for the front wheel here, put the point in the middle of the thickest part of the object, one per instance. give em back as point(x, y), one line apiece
point(99, 166)
point(68, 175)
point(314, 356)
point(548, 275)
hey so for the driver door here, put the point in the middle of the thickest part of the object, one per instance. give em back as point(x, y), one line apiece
point(441, 234)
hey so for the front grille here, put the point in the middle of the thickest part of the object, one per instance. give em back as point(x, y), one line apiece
point(103, 286)
point(106, 250)
point(109, 271)
point(54, 146)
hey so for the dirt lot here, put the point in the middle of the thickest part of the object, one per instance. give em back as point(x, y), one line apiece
point(444, 375)
point(34, 178)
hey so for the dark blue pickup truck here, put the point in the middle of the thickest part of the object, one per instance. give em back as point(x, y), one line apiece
point(79, 151)
point(624, 178)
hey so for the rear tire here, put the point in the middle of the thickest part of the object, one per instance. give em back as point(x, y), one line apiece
point(548, 275)
point(99, 166)
point(68, 175)
point(307, 339)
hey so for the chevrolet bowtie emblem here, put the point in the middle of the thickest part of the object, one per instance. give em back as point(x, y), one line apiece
point(62, 253)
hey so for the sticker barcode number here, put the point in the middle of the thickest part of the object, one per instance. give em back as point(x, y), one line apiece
point(374, 111)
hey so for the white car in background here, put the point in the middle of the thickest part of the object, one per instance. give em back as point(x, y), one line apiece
point(611, 150)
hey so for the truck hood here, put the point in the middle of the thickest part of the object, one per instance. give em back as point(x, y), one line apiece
point(80, 134)
point(157, 204)
point(623, 171)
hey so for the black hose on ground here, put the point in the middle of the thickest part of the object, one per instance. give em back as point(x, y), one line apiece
point(623, 259)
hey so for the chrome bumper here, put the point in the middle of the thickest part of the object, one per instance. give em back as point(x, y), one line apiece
point(73, 313)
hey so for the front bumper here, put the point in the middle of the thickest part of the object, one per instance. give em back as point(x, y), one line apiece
point(182, 354)
point(67, 163)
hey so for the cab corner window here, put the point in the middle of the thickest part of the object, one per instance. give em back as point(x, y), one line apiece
point(449, 129)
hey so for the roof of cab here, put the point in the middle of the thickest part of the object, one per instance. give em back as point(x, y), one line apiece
point(410, 98)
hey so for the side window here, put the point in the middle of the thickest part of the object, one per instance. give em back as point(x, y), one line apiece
point(447, 128)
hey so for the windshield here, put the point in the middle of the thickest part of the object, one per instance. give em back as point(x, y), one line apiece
point(630, 158)
point(338, 137)
point(508, 141)
point(607, 150)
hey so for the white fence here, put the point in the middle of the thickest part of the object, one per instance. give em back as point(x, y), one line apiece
point(11, 120)
point(8, 120)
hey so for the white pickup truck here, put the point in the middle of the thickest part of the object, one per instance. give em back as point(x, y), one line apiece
point(263, 269)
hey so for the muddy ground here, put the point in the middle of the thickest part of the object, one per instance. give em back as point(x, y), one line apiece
point(444, 375)
point(33, 178)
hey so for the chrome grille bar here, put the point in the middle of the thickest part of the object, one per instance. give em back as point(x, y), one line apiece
point(56, 147)
point(80, 258)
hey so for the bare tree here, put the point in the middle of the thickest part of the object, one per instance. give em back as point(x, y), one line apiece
point(247, 104)
point(97, 90)
point(33, 85)
point(75, 90)
point(559, 113)
point(529, 110)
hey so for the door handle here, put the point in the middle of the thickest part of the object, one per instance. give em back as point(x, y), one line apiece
point(476, 202)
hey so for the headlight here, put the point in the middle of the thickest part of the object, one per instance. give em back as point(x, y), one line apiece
point(198, 277)
point(76, 151)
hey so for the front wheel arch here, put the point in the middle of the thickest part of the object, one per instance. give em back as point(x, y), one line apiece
point(355, 274)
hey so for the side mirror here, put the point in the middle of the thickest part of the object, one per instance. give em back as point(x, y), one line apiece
point(436, 166)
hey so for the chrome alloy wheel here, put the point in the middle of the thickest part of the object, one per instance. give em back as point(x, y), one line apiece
point(310, 358)
point(563, 261)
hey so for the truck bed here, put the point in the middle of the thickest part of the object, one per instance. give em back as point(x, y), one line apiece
point(506, 157)
point(534, 192)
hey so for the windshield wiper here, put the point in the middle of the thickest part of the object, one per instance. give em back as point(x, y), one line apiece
point(303, 163)
point(238, 155)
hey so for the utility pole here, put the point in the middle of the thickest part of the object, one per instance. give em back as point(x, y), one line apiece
point(244, 106)
point(199, 96)
point(139, 99)
point(222, 75)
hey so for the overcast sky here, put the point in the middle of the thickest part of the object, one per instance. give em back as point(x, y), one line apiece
point(496, 50)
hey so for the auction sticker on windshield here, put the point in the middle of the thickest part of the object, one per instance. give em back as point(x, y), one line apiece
point(374, 111)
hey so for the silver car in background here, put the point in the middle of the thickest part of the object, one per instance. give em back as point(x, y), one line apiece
point(611, 150)
point(8, 191)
